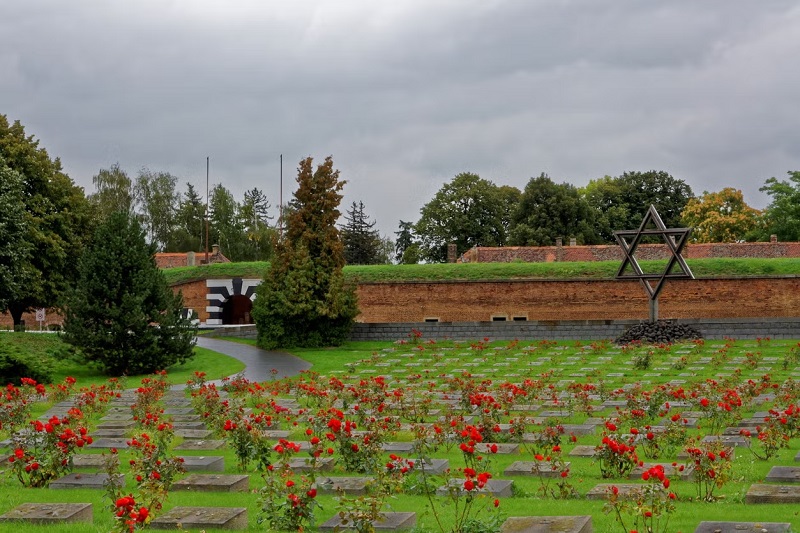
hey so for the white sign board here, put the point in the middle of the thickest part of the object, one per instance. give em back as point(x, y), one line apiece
point(40, 315)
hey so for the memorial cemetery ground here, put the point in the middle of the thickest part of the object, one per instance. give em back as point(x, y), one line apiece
point(703, 430)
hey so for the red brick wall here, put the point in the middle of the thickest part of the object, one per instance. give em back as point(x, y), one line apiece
point(547, 254)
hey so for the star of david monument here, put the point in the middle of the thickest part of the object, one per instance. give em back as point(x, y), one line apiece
point(676, 268)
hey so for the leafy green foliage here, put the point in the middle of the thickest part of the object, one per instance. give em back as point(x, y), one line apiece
point(156, 194)
point(114, 192)
point(303, 300)
point(16, 363)
point(783, 212)
point(468, 211)
point(122, 315)
point(547, 211)
point(14, 249)
point(57, 220)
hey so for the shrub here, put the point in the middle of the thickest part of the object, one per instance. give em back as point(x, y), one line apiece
point(16, 364)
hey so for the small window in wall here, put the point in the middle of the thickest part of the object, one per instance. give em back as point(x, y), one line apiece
point(431, 319)
point(499, 318)
point(520, 318)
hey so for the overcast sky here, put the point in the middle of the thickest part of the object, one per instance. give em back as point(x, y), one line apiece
point(405, 94)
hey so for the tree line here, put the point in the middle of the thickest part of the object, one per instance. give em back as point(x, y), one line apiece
point(471, 211)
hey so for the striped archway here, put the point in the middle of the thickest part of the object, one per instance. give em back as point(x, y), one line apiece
point(221, 290)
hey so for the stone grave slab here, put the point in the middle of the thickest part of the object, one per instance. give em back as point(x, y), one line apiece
point(432, 466)
point(117, 417)
point(82, 481)
point(88, 460)
point(532, 468)
point(579, 429)
point(550, 413)
point(600, 491)
point(117, 424)
point(179, 411)
point(495, 487)
point(728, 440)
point(178, 403)
point(547, 524)
point(194, 434)
point(402, 447)
point(349, 485)
point(212, 483)
point(784, 474)
point(49, 513)
point(207, 463)
point(191, 424)
point(583, 450)
point(387, 522)
point(186, 418)
point(743, 527)
point(199, 444)
point(202, 518)
point(303, 464)
point(276, 433)
point(503, 448)
point(761, 493)
point(108, 433)
point(108, 443)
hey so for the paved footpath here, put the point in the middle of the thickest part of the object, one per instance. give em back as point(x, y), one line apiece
point(258, 363)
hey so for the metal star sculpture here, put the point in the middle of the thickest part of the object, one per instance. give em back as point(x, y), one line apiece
point(675, 239)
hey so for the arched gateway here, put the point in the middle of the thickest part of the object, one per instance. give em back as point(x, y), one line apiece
point(230, 301)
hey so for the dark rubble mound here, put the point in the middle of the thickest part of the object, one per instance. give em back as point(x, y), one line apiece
point(660, 332)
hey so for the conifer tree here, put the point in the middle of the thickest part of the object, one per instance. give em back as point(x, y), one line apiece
point(361, 240)
point(303, 300)
point(122, 315)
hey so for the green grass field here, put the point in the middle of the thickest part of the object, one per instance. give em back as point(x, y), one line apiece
point(435, 369)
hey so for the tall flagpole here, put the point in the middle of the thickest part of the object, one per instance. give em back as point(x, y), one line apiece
point(280, 201)
point(207, 165)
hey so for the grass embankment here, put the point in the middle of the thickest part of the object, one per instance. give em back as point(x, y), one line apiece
point(702, 268)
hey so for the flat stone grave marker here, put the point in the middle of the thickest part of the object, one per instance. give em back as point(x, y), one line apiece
point(209, 463)
point(276, 433)
point(784, 474)
point(503, 448)
point(108, 442)
point(108, 433)
point(555, 414)
point(760, 493)
point(533, 468)
point(547, 524)
point(303, 464)
point(728, 440)
point(180, 411)
point(177, 403)
point(186, 418)
point(495, 487)
point(349, 485)
point(743, 527)
point(49, 513)
point(82, 481)
point(432, 466)
point(402, 447)
point(117, 417)
point(202, 518)
point(193, 434)
point(600, 492)
point(117, 424)
point(88, 460)
point(579, 429)
point(387, 522)
point(200, 445)
point(188, 424)
point(212, 483)
point(684, 472)
point(582, 450)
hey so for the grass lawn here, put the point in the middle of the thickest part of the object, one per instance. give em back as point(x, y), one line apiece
point(583, 382)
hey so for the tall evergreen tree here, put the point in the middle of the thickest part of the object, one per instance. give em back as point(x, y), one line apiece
point(362, 242)
point(303, 300)
point(122, 315)
point(190, 228)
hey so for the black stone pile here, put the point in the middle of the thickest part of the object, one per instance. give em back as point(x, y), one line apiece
point(660, 332)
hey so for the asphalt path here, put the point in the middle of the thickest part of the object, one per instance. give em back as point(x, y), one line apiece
point(259, 364)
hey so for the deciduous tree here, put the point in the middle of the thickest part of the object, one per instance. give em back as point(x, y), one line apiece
point(158, 199)
point(783, 213)
point(547, 211)
point(113, 192)
point(303, 300)
point(122, 315)
point(57, 218)
point(15, 251)
point(468, 211)
point(720, 216)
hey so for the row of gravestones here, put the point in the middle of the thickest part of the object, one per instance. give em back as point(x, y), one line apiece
point(111, 434)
